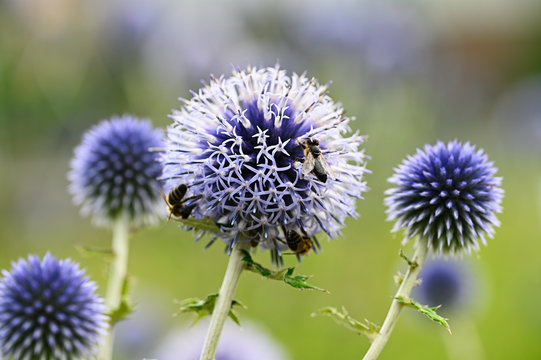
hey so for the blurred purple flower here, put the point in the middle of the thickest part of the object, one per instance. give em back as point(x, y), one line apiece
point(445, 282)
point(518, 116)
point(248, 342)
point(136, 336)
point(113, 174)
point(385, 36)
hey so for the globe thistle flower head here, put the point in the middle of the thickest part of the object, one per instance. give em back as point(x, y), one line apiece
point(49, 310)
point(445, 282)
point(241, 143)
point(236, 343)
point(114, 175)
point(446, 194)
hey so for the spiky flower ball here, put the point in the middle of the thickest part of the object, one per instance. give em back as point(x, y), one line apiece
point(113, 174)
point(446, 194)
point(49, 310)
point(242, 142)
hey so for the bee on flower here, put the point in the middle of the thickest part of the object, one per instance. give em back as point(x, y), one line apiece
point(240, 143)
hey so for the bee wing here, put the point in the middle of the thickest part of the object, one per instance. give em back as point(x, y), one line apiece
point(308, 164)
point(327, 167)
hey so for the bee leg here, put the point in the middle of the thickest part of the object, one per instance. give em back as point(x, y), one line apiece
point(299, 159)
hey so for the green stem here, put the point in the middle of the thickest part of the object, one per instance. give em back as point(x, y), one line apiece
point(223, 303)
point(409, 281)
point(117, 278)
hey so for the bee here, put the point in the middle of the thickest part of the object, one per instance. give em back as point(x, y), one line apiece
point(300, 244)
point(314, 162)
point(177, 203)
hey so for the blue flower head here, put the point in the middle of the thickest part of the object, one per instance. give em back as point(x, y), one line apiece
point(447, 194)
point(49, 310)
point(445, 282)
point(113, 174)
point(236, 343)
point(240, 144)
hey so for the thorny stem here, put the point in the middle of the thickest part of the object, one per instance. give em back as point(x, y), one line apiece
point(223, 303)
point(117, 277)
point(409, 281)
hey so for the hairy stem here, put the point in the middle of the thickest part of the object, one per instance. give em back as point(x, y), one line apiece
point(223, 303)
point(117, 277)
point(409, 281)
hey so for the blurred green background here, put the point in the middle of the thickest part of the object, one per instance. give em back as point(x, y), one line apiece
point(411, 73)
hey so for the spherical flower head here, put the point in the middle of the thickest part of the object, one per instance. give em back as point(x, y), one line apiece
point(49, 310)
point(446, 194)
point(240, 143)
point(236, 343)
point(114, 175)
point(445, 282)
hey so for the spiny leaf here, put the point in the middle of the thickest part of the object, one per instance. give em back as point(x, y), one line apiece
point(204, 307)
point(125, 308)
point(255, 267)
point(428, 311)
point(366, 328)
point(299, 281)
point(285, 275)
point(201, 224)
point(342, 317)
point(412, 263)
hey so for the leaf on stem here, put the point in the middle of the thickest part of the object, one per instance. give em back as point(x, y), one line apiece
point(125, 308)
point(366, 327)
point(428, 311)
point(412, 263)
point(285, 275)
point(204, 307)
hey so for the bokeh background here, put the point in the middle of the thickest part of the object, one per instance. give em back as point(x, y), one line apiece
point(410, 72)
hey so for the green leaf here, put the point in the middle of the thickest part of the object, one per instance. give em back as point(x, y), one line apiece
point(125, 308)
point(366, 328)
point(204, 307)
point(201, 224)
point(251, 265)
point(428, 311)
point(285, 275)
point(299, 281)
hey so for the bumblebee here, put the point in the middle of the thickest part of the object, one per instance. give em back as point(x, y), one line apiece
point(314, 161)
point(177, 203)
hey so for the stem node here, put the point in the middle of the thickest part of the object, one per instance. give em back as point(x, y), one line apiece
point(407, 284)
